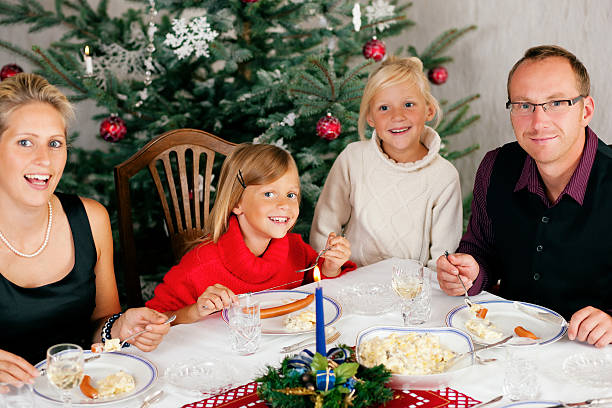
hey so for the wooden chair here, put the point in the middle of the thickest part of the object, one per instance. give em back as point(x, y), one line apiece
point(178, 153)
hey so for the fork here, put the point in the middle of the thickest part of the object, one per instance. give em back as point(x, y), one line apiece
point(459, 357)
point(170, 320)
point(288, 349)
point(467, 299)
point(321, 252)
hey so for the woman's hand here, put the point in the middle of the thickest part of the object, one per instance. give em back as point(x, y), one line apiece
point(336, 256)
point(142, 318)
point(15, 370)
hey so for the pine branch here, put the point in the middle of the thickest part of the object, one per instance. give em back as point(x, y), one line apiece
point(20, 51)
point(461, 102)
point(55, 68)
point(387, 20)
point(323, 69)
point(356, 71)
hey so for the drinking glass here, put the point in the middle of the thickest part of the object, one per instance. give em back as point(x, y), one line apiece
point(245, 326)
point(65, 369)
point(415, 292)
point(16, 396)
point(520, 379)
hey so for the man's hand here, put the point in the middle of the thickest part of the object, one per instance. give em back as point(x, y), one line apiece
point(591, 325)
point(15, 370)
point(462, 265)
point(134, 320)
point(336, 256)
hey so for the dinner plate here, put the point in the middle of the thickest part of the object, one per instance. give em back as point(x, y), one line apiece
point(143, 371)
point(505, 316)
point(368, 298)
point(276, 325)
point(202, 376)
point(530, 404)
point(593, 369)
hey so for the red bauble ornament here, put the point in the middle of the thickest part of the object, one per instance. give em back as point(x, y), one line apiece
point(438, 75)
point(375, 49)
point(328, 127)
point(9, 70)
point(113, 129)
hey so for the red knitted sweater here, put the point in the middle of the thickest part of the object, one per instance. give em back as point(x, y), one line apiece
point(231, 263)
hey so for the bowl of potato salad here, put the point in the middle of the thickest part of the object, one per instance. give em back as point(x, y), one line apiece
point(418, 358)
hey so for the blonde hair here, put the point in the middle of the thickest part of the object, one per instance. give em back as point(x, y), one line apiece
point(251, 164)
point(23, 89)
point(395, 71)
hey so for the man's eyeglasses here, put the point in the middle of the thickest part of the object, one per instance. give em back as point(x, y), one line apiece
point(527, 108)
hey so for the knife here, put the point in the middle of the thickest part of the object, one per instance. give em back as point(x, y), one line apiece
point(482, 404)
point(587, 403)
point(546, 317)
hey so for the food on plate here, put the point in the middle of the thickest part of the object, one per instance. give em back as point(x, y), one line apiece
point(409, 354)
point(478, 310)
point(286, 308)
point(112, 345)
point(304, 321)
point(522, 332)
point(87, 389)
point(483, 328)
point(97, 348)
point(114, 384)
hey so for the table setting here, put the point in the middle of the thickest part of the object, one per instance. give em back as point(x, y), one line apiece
point(199, 365)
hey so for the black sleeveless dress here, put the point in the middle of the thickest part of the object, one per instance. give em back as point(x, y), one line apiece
point(33, 319)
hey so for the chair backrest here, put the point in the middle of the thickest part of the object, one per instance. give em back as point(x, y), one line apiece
point(185, 200)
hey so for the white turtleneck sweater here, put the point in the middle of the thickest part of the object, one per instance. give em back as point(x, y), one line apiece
point(389, 209)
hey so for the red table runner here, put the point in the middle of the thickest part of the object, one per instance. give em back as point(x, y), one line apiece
point(246, 396)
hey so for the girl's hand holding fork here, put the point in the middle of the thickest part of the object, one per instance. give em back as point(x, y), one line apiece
point(338, 253)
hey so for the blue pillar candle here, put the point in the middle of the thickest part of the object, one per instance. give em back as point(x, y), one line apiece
point(320, 324)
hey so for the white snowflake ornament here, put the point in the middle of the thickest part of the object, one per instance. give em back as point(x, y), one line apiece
point(192, 38)
point(380, 10)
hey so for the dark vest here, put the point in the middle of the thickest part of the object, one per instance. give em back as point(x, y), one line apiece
point(558, 257)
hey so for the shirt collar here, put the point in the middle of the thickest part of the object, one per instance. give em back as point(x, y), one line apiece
point(576, 188)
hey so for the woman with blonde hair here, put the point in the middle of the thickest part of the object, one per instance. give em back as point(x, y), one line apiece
point(57, 282)
point(249, 247)
point(393, 195)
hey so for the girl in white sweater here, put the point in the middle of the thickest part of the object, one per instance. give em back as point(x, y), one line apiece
point(393, 195)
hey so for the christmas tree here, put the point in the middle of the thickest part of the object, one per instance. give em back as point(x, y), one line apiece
point(285, 72)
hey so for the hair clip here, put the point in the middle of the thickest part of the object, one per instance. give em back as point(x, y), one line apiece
point(241, 179)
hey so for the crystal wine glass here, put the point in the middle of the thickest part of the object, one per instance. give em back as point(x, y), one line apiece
point(65, 369)
point(407, 282)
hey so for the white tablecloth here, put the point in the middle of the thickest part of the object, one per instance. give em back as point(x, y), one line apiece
point(209, 338)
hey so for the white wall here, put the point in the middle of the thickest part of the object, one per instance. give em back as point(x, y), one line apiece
point(506, 28)
point(482, 58)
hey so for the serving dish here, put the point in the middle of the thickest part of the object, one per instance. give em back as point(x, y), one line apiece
point(202, 376)
point(368, 298)
point(454, 339)
point(593, 369)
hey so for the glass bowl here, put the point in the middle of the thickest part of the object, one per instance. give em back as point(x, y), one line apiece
point(202, 377)
point(593, 369)
point(368, 298)
point(450, 338)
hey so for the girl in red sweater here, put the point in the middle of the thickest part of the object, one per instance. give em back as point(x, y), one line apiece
point(249, 247)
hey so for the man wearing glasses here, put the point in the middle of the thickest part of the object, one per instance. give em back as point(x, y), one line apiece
point(541, 219)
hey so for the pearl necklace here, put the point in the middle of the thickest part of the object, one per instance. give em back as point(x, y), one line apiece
point(44, 244)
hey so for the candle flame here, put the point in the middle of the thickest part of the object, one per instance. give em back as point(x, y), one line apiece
point(87, 52)
point(316, 274)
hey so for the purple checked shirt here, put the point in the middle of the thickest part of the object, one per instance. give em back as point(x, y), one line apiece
point(478, 239)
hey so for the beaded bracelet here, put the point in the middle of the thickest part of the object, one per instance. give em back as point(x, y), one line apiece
point(106, 330)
